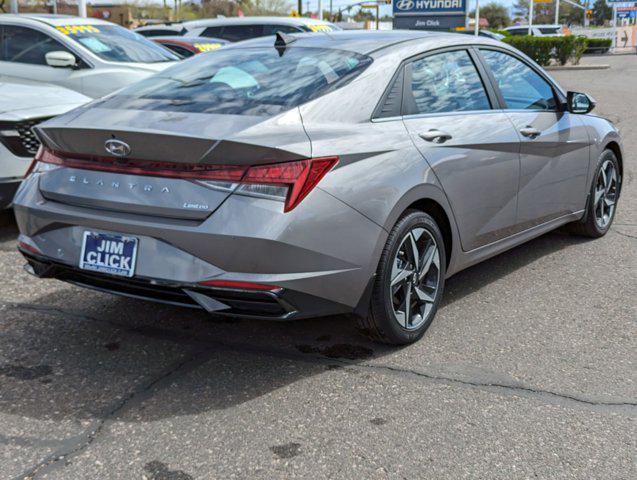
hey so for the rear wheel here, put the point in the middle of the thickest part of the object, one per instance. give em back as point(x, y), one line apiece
point(603, 198)
point(409, 281)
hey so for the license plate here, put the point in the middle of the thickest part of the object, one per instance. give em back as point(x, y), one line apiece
point(108, 253)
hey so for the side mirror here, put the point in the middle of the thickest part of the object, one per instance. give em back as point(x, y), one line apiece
point(579, 103)
point(60, 59)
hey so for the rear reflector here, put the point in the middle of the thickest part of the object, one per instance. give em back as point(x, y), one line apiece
point(29, 248)
point(297, 178)
point(239, 285)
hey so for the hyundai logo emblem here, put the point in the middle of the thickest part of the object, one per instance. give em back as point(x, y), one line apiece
point(405, 4)
point(117, 148)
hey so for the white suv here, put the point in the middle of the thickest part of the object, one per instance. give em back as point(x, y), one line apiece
point(22, 106)
point(87, 55)
point(235, 29)
point(538, 30)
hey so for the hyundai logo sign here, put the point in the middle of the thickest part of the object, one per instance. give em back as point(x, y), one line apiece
point(429, 7)
point(117, 148)
point(405, 4)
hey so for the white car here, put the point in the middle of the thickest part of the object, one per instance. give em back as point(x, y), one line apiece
point(23, 105)
point(235, 29)
point(538, 30)
point(87, 55)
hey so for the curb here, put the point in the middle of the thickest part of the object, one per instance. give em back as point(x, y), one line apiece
point(576, 67)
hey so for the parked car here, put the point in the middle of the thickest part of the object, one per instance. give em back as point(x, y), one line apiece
point(242, 28)
point(314, 175)
point(162, 29)
point(87, 55)
point(186, 47)
point(482, 33)
point(539, 30)
point(22, 106)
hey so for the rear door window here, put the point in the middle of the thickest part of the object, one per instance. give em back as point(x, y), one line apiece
point(446, 82)
point(272, 29)
point(236, 33)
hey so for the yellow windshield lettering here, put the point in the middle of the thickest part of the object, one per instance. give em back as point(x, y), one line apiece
point(320, 28)
point(206, 47)
point(76, 29)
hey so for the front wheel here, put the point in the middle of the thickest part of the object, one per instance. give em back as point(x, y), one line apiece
point(409, 282)
point(603, 198)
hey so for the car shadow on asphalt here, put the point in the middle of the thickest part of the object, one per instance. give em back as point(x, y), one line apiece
point(82, 354)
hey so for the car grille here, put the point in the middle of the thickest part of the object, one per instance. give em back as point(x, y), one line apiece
point(19, 138)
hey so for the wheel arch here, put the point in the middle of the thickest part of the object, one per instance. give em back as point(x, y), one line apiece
point(430, 199)
point(433, 208)
point(614, 147)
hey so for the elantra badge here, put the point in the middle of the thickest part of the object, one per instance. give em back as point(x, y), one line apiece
point(117, 148)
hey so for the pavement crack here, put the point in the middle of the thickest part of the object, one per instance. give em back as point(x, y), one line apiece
point(624, 234)
point(216, 345)
point(75, 445)
point(492, 385)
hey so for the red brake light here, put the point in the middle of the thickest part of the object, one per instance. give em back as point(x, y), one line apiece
point(300, 177)
point(239, 285)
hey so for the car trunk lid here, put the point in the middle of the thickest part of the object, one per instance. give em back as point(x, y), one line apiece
point(162, 168)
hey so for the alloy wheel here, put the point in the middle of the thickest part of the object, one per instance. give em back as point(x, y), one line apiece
point(606, 189)
point(415, 278)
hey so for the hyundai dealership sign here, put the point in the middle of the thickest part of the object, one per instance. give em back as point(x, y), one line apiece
point(429, 14)
point(420, 7)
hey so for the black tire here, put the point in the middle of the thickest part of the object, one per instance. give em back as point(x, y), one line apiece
point(381, 323)
point(588, 226)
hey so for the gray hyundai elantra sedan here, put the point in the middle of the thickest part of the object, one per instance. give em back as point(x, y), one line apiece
point(305, 175)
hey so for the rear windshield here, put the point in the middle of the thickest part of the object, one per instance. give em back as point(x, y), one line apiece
point(117, 44)
point(551, 30)
point(247, 81)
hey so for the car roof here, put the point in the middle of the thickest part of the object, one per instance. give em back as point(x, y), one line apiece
point(209, 22)
point(54, 20)
point(191, 40)
point(368, 41)
point(536, 25)
point(178, 26)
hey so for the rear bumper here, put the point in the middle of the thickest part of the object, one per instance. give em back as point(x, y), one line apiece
point(323, 253)
point(279, 304)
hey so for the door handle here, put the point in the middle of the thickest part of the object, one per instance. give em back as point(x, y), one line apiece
point(530, 131)
point(435, 136)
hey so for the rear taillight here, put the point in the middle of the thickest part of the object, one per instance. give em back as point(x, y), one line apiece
point(293, 180)
point(289, 182)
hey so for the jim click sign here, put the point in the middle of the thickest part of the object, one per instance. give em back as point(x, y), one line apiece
point(429, 14)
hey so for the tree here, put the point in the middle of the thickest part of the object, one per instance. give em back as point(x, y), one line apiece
point(265, 7)
point(497, 15)
point(545, 12)
point(602, 12)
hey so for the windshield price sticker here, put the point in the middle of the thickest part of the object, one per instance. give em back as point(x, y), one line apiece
point(206, 47)
point(320, 28)
point(75, 29)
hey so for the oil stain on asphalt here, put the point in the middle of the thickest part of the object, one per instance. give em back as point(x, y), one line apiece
point(288, 450)
point(159, 471)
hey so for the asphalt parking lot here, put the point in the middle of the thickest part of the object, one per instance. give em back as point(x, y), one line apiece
point(528, 371)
